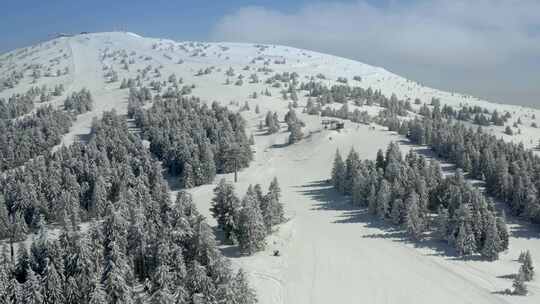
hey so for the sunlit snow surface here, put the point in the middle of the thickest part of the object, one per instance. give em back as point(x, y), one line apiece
point(329, 252)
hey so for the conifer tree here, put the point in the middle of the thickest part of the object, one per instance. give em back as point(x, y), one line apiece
point(414, 222)
point(520, 288)
point(338, 173)
point(225, 208)
point(465, 242)
point(276, 206)
point(22, 265)
point(527, 268)
point(32, 289)
point(53, 291)
point(502, 229)
point(296, 133)
point(116, 276)
point(98, 295)
point(492, 242)
point(240, 292)
point(383, 199)
point(251, 229)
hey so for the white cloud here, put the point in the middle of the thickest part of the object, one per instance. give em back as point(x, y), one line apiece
point(419, 38)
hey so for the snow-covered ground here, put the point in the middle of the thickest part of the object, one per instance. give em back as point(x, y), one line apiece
point(330, 253)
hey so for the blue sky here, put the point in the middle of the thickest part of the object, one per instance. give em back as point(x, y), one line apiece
point(488, 48)
point(25, 22)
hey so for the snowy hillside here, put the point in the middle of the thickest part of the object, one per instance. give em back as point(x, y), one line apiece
point(329, 252)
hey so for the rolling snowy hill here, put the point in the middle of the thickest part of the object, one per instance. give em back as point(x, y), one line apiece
point(329, 252)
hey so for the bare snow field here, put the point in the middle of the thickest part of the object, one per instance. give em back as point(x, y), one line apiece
point(330, 253)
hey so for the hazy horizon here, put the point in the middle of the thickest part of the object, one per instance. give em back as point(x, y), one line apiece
point(460, 46)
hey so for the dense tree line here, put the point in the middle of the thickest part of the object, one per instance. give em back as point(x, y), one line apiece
point(21, 104)
point(394, 107)
point(193, 140)
point(30, 136)
point(138, 98)
point(343, 113)
point(79, 102)
point(477, 115)
point(407, 191)
point(11, 80)
point(360, 96)
point(144, 248)
point(511, 172)
point(246, 222)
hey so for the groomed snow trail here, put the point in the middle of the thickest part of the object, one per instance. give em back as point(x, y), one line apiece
point(331, 253)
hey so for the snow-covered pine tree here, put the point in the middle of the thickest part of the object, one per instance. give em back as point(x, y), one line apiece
point(502, 229)
point(251, 230)
point(116, 276)
point(240, 292)
point(225, 208)
point(22, 264)
point(520, 288)
point(527, 267)
point(339, 173)
point(98, 295)
point(492, 242)
point(296, 133)
point(276, 206)
point(53, 290)
point(187, 177)
point(352, 170)
point(414, 222)
point(384, 195)
point(32, 289)
point(465, 242)
point(397, 212)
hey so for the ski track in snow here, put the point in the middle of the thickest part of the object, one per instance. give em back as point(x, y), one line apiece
point(330, 252)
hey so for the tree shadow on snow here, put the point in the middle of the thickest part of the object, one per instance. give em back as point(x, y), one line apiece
point(228, 250)
point(327, 198)
point(277, 146)
point(507, 276)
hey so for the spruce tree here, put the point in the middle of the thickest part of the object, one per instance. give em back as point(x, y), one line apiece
point(241, 292)
point(492, 242)
point(276, 206)
point(465, 242)
point(527, 267)
point(22, 265)
point(338, 173)
point(225, 208)
point(32, 289)
point(98, 295)
point(53, 290)
point(251, 229)
point(520, 288)
point(383, 199)
point(502, 229)
point(116, 276)
point(414, 222)
point(296, 133)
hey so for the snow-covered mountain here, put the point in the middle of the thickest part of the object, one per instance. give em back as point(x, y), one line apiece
point(328, 253)
point(88, 56)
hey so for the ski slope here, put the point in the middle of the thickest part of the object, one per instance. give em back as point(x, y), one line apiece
point(330, 253)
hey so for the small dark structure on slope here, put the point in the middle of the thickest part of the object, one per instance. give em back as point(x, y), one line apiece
point(333, 124)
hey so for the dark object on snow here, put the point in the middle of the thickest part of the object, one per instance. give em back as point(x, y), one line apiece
point(276, 253)
point(332, 124)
